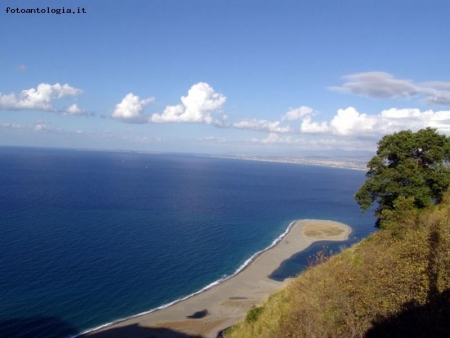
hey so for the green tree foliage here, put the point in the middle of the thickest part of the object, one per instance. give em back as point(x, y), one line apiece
point(412, 165)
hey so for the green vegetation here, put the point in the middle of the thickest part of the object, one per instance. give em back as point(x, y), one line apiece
point(388, 285)
point(395, 283)
point(253, 314)
point(410, 165)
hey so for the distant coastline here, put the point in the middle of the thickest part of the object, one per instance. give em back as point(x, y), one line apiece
point(342, 163)
point(330, 163)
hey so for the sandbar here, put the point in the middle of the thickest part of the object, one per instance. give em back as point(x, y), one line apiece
point(208, 313)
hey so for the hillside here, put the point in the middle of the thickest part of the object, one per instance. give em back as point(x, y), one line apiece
point(395, 283)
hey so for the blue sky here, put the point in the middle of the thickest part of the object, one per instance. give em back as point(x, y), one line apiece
point(223, 77)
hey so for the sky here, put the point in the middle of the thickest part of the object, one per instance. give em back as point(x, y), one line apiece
point(222, 77)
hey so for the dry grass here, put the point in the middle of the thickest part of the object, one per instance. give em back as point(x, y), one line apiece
point(322, 231)
point(240, 304)
point(398, 272)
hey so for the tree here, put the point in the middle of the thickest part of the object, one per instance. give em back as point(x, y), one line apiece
point(410, 165)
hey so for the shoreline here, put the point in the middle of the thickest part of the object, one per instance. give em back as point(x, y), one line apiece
point(224, 302)
point(336, 164)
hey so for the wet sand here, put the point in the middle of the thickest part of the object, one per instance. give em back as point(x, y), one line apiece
point(206, 314)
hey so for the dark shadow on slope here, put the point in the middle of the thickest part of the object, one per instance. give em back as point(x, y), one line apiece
point(48, 327)
point(298, 262)
point(136, 331)
point(429, 320)
point(198, 314)
point(434, 258)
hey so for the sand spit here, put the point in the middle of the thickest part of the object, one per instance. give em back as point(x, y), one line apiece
point(207, 313)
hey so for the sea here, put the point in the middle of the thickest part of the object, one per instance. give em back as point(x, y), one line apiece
point(88, 238)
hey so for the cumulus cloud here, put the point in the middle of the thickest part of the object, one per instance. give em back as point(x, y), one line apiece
point(74, 110)
point(197, 106)
point(416, 119)
point(39, 98)
point(385, 86)
point(350, 122)
point(298, 113)
point(262, 125)
point(172, 114)
point(131, 108)
point(308, 126)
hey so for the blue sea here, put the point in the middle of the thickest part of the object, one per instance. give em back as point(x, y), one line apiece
point(90, 237)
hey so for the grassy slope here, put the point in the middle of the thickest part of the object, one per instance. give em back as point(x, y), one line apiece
point(394, 283)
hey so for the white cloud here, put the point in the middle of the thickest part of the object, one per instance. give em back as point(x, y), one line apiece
point(262, 125)
point(171, 114)
point(349, 122)
point(131, 108)
point(22, 68)
point(313, 143)
point(40, 127)
point(298, 113)
point(415, 119)
point(308, 126)
point(196, 107)
point(74, 110)
point(36, 127)
point(37, 98)
point(275, 138)
point(384, 85)
point(43, 127)
point(12, 125)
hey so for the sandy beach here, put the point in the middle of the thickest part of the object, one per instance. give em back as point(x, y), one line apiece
point(206, 314)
